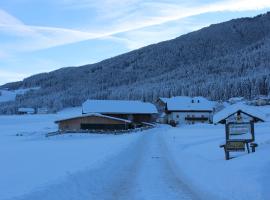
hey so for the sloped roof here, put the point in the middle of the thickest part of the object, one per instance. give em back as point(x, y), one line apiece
point(118, 107)
point(26, 110)
point(184, 103)
point(230, 110)
point(94, 115)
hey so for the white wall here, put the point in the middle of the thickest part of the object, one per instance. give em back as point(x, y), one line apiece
point(179, 117)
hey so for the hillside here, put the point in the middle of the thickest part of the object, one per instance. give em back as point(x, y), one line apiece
point(221, 61)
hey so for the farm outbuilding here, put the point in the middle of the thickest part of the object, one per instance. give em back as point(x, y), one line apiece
point(107, 115)
point(93, 121)
point(136, 111)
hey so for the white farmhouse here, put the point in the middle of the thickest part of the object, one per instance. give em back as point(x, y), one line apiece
point(186, 110)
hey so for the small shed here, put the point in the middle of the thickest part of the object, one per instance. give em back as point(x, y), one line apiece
point(93, 121)
point(239, 113)
point(26, 111)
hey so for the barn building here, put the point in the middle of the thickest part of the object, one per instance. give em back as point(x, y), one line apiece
point(110, 115)
point(185, 110)
point(135, 111)
point(239, 113)
point(93, 121)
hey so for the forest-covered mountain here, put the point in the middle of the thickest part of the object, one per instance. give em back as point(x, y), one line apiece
point(220, 61)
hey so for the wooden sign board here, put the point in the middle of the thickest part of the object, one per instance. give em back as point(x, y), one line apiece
point(240, 131)
point(235, 146)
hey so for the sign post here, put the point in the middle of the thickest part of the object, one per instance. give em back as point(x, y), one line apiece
point(238, 137)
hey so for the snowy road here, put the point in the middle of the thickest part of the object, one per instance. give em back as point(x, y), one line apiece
point(143, 171)
point(151, 175)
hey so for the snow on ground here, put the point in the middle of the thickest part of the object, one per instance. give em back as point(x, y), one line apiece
point(201, 163)
point(32, 161)
point(161, 163)
point(10, 95)
point(265, 109)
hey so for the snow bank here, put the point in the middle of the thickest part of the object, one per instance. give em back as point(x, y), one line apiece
point(200, 161)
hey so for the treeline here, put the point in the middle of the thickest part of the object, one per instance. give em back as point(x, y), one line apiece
point(221, 61)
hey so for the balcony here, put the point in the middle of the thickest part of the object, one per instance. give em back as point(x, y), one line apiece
point(196, 118)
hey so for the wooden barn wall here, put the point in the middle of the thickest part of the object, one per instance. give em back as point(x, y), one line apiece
point(75, 124)
point(135, 117)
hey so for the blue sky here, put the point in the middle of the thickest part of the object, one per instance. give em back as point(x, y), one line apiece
point(43, 35)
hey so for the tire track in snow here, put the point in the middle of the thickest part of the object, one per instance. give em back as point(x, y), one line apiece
point(155, 178)
point(140, 172)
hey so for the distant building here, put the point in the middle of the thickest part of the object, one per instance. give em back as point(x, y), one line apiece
point(26, 111)
point(185, 110)
point(235, 100)
point(239, 113)
point(260, 101)
point(42, 111)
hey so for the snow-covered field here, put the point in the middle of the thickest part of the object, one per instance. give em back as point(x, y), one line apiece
point(161, 163)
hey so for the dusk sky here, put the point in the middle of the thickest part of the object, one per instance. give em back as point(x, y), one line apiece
point(44, 35)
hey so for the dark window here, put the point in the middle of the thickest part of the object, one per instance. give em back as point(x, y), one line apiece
point(103, 126)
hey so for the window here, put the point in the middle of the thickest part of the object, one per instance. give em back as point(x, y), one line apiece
point(177, 116)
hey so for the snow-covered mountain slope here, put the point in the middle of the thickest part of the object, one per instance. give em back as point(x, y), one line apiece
point(221, 61)
point(10, 95)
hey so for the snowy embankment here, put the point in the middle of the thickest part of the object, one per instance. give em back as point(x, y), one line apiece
point(31, 161)
point(200, 162)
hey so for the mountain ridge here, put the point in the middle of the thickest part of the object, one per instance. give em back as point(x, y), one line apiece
point(220, 61)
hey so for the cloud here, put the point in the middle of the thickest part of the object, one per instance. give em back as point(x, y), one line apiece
point(126, 15)
point(139, 38)
point(6, 76)
point(3, 55)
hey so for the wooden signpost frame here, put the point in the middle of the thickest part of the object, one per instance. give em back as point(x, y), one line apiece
point(236, 145)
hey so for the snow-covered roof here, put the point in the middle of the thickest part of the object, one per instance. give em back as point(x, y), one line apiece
point(118, 107)
point(236, 99)
point(26, 110)
point(94, 115)
point(184, 103)
point(230, 110)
